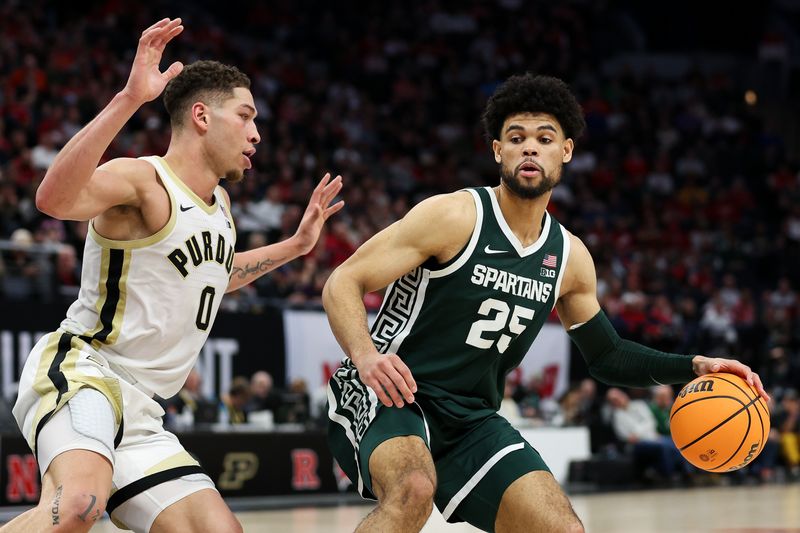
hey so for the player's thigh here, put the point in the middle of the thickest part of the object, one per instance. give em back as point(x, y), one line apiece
point(475, 473)
point(535, 502)
point(152, 473)
point(199, 512)
point(77, 482)
point(152, 470)
point(359, 425)
point(75, 453)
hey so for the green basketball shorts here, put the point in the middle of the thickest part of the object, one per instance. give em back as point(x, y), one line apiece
point(475, 462)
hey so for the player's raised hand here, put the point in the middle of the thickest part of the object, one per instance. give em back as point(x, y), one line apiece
point(318, 211)
point(146, 81)
point(388, 376)
point(705, 365)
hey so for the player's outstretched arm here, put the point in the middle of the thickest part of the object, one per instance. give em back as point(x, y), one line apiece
point(250, 265)
point(617, 361)
point(74, 188)
point(430, 228)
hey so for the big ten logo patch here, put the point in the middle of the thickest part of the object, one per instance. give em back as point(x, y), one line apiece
point(547, 273)
point(238, 468)
point(23, 478)
point(304, 469)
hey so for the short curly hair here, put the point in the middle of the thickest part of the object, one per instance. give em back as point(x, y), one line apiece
point(527, 93)
point(209, 81)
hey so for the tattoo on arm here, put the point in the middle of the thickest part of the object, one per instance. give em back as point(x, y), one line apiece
point(258, 268)
point(84, 514)
point(56, 502)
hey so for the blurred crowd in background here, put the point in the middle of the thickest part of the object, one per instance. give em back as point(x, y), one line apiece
point(685, 188)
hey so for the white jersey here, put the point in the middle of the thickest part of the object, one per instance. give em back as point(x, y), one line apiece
point(148, 305)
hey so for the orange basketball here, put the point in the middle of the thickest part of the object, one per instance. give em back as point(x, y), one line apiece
point(719, 423)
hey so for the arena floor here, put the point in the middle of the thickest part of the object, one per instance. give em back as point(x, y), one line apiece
point(755, 509)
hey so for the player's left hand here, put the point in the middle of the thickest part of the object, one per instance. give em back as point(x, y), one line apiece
point(318, 211)
point(706, 365)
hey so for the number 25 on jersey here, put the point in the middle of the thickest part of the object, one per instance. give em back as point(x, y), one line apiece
point(498, 323)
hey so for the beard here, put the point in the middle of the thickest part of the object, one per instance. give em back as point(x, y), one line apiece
point(520, 187)
point(234, 176)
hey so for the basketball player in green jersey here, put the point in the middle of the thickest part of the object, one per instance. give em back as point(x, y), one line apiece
point(473, 276)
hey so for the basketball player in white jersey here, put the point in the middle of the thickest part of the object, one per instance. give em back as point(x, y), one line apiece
point(158, 258)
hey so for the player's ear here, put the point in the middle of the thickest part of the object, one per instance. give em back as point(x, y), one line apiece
point(496, 148)
point(199, 114)
point(569, 145)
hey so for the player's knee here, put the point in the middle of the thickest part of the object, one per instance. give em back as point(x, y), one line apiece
point(234, 526)
point(573, 525)
point(75, 512)
point(415, 491)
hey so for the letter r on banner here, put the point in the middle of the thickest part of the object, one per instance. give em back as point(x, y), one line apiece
point(304, 469)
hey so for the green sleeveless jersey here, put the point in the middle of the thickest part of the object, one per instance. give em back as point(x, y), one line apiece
point(461, 327)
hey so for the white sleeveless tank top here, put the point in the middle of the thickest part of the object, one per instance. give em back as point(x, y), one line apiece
point(147, 305)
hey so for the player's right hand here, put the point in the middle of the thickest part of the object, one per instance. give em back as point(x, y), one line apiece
point(146, 81)
point(388, 376)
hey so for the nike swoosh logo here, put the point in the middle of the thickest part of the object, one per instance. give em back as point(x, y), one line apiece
point(186, 208)
point(490, 251)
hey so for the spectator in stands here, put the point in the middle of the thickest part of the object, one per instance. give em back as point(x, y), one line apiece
point(26, 269)
point(68, 269)
point(569, 408)
point(717, 326)
point(782, 369)
point(235, 400)
point(786, 418)
point(45, 152)
point(635, 425)
point(508, 407)
point(590, 402)
point(662, 398)
point(528, 397)
point(189, 407)
point(263, 396)
point(295, 404)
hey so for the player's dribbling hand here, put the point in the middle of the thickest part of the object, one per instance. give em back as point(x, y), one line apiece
point(388, 376)
point(146, 81)
point(706, 365)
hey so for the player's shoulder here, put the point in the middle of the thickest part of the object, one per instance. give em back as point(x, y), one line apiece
point(225, 196)
point(130, 168)
point(440, 222)
point(578, 248)
point(580, 266)
point(446, 209)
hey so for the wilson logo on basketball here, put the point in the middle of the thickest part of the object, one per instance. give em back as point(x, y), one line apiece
point(750, 455)
point(700, 386)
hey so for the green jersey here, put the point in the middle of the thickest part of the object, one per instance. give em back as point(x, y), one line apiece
point(462, 326)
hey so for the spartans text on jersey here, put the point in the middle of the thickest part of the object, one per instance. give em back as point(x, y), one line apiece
point(500, 280)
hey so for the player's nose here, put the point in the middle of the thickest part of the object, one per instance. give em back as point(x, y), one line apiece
point(254, 137)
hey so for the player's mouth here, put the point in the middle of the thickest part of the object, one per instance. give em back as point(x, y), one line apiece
point(529, 169)
point(247, 155)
